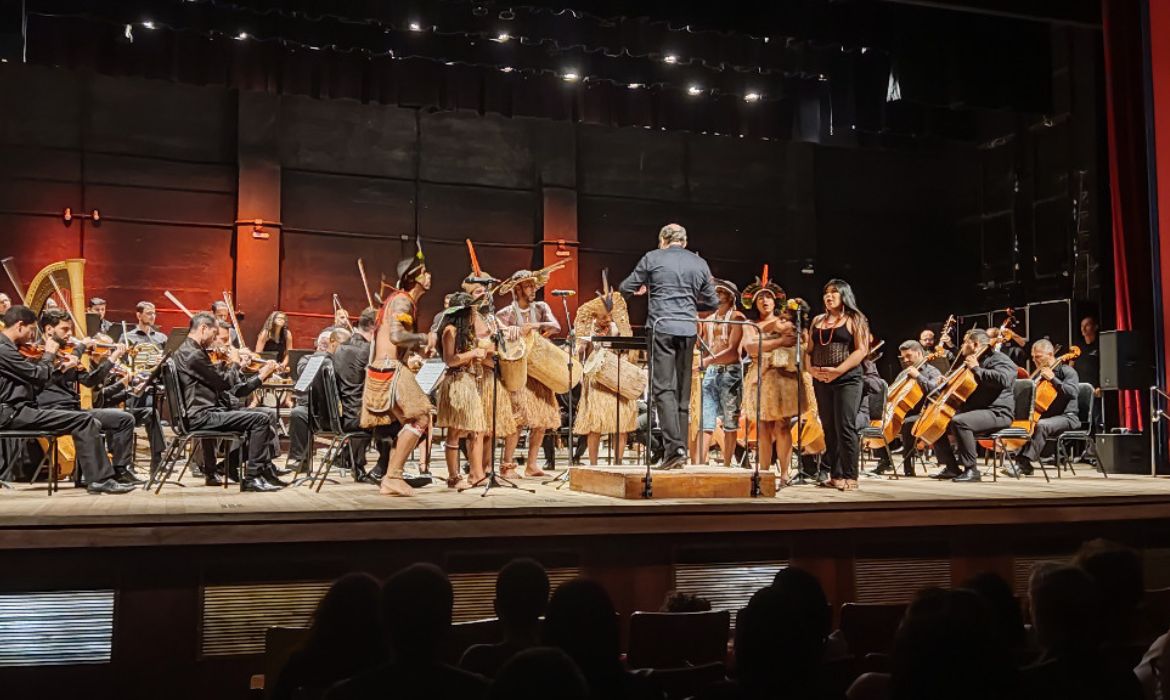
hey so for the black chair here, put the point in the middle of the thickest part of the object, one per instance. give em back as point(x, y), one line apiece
point(50, 453)
point(876, 412)
point(184, 435)
point(1009, 441)
point(338, 437)
point(1086, 400)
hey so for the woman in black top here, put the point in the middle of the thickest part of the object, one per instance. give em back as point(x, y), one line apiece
point(840, 341)
point(275, 337)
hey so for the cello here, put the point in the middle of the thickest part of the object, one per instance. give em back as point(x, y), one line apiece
point(956, 388)
point(904, 396)
point(1045, 394)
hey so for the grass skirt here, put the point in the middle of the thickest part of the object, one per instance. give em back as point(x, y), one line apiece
point(535, 406)
point(460, 405)
point(505, 419)
point(595, 412)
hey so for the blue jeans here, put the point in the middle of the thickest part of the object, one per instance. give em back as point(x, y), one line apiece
point(722, 395)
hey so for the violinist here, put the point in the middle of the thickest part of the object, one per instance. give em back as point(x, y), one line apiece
point(988, 409)
point(1010, 344)
point(5, 303)
point(61, 392)
point(224, 314)
point(203, 385)
point(299, 430)
point(22, 378)
point(275, 337)
point(911, 353)
point(242, 370)
point(1061, 414)
point(124, 387)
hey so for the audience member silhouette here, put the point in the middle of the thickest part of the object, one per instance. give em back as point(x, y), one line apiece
point(344, 639)
point(679, 602)
point(539, 673)
point(1117, 572)
point(582, 622)
point(1068, 618)
point(416, 615)
point(948, 647)
point(1008, 618)
point(521, 597)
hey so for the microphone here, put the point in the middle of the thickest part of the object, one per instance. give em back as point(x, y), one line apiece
point(485, 279)
point(564, 293)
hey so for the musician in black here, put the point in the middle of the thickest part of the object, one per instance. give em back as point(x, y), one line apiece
point(1061, 414)
point(929, 378)
point(299, 430)
point(987, 409)
point(204, 384)
point(97, 305)
point(145, 331)
point(21, 379)
point(119, 390)
point(62, 392)
point(349, 362)
point(927, 340)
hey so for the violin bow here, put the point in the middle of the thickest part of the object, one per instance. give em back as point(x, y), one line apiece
point(66, 305)
point(179, 304)
point(365, 283)
point(227, 299)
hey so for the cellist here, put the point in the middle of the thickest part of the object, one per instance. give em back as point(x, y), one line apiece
point(911, 353)
point(987, 409)
point(1061, 414)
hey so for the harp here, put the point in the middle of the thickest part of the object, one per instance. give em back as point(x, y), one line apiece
point(70, 277)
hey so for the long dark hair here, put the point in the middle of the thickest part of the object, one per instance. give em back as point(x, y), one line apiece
point(461, 320)
point(849, 301)
point(270, 326)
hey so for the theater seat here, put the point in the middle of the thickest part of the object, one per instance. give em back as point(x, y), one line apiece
point(676, 640)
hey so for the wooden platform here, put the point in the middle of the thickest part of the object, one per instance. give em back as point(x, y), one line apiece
point(691, 482)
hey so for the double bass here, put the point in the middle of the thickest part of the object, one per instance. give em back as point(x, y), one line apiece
point(905, 394)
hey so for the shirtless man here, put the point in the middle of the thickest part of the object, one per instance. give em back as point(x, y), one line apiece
point(722, 373)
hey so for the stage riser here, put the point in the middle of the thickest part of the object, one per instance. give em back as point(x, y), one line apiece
point(163, 592)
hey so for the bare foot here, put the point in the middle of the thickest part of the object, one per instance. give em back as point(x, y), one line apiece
point(458, 484)
point(534, 472)
point(508, 470)
point(395, 486)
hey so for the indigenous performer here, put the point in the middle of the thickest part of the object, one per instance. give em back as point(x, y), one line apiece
point(535, 405)
point(392, 393)
point(780, 382)
point(840, 341)
point(722, 391)
point(600, 406)
point(460, 404)
point(22, 378)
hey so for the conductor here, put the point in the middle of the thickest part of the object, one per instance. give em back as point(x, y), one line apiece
point(680, 285)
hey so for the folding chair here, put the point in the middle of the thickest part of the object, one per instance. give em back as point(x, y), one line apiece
point(877, 432)
point(1008, 442)
point(184, 435)
point(50, 453)
point(338, 437)
point(1086, 401)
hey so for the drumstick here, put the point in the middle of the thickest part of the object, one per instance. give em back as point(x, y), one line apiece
point(365, 284)
point(176, 302)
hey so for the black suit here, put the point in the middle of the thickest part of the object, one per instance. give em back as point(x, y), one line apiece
point(1061, 415)
point(299, 430)
point(62, 392)
point(989, 408)
point(350, 362)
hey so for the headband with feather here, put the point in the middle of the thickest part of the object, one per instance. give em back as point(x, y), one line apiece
point(760, 285)
point(606, 297)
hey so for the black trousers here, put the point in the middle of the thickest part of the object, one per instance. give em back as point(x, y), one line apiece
point(254, 424)
point(147, 417)
point(298, 437)
point(671, 389)
point(118, 429)
point(838, 402)
point(965, 427)
point(1047, 429)
point(92, 459)
point(909, 444)
point(381, 436)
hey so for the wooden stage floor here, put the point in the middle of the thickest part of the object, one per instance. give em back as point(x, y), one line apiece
point(347, 511)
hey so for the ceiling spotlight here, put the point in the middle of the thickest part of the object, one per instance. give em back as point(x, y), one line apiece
point(864, 49)
point(506, 69)
point(241, 36)
point(635, 86)
point(415, 27)
point(502, 37)
point(822, 77)
point(670, 58)
point(570, 77)
point(752, 97)
point(148, 24)
point(694, 90)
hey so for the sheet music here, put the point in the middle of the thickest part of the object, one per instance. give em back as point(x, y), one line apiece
point(311, 368)
point(429, 375)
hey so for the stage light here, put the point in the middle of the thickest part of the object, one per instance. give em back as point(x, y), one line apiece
point(241, 36)
point(148, 24)
point(670, 58)
point(823, 78)
point(694, 90)
point(635, 86)
point(752, 97)
point(415, 27)
point(506, 69)
point(570, 77)
point(502, 37)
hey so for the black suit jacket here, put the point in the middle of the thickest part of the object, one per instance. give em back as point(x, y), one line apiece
point(349, 363)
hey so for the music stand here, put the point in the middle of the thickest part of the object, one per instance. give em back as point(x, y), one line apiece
point(619, 344)
point(304, 385)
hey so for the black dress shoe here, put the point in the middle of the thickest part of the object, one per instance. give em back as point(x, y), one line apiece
point(256, 484)
point(675, 462)
point(110, 485)
point(268, 473)
point(883, 467)
point(1012, 470)
point(125, 475)
point(946, 473)
point(279, 472)
point(969, 474)
point(212, 480)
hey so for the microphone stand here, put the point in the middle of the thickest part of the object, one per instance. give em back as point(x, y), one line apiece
point(801, 477)
point(563, 477)
point(492, 480)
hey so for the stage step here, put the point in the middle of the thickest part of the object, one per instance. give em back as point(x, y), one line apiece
point(689, 482)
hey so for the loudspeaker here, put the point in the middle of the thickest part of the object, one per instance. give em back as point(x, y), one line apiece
point(1126, 360)
point(1124, 453)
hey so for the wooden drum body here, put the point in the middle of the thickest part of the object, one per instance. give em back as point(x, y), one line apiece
point(513, 366)
point(602, 366)
point(549, 364)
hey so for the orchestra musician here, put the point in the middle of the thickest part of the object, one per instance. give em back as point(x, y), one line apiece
point(392, 394)
point(1011, 344)
point(534, 405)
point(204, 386)
point(275, 337)
point(1061, 414)
point(929, 378)
point(223, 314)
point(61, 392)
point(97, 305)
point(21, 379)
point(840, 341)
point(123, 387)
point(5, 303)
point(722, 372)
point(927, 340)
point(987, 409)
point(144, 331)
point(350, 361)
point(299, 431)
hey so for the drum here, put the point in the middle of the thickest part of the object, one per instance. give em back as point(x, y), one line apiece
point(513, 366)
point(602, 366)
point(549, 364)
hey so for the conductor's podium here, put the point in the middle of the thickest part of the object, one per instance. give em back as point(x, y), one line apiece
point(688, 482)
